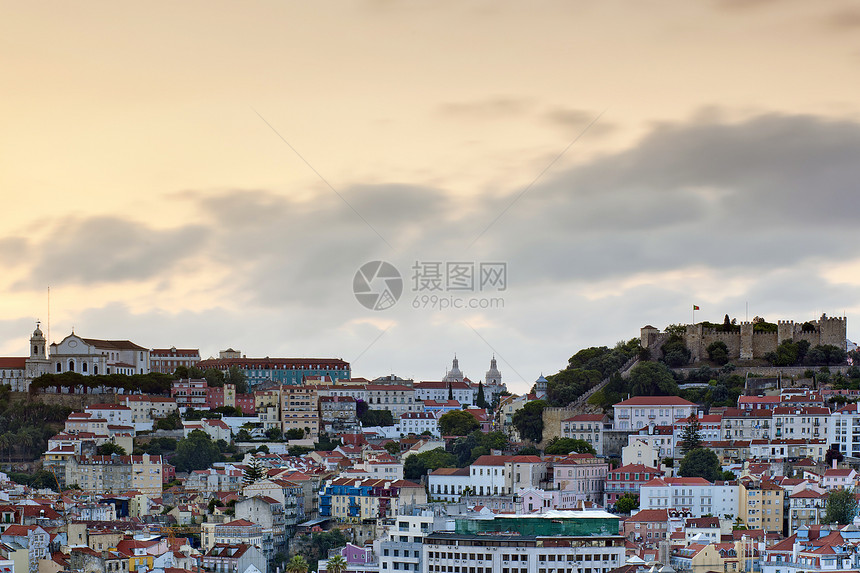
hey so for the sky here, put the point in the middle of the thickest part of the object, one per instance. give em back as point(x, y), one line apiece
point(212, 175)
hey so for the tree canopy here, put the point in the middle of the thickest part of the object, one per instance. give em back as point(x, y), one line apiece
point(841, 507)
point(458, 423)
point(627, 503)
point(702, 463)
point(417, 465)
point(564, 446)
point(528, 420)
point(196, 452)
point(652, 379)
point(691, 438)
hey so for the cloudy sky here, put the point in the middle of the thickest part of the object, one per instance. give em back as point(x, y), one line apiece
point(212, 175)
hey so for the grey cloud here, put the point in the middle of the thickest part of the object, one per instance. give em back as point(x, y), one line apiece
point(768, 192)
point(574, 120)
point(14, 250)
point(110, 249)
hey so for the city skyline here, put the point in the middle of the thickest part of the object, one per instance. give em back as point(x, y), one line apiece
point(199, 176)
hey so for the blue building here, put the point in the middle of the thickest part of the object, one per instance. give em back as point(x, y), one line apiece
point(294, 371)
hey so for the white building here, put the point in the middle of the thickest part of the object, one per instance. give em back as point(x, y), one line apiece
point(843, 428)
point(809, 423)
point(417, 423)
point(444, 552)
point(640, 411)
point(586, 427)
point(92, 356)
point(448, 484)
point(696, 495)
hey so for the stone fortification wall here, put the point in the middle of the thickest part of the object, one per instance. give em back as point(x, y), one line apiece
point(747, 344)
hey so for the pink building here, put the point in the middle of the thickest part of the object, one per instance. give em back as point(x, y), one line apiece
point(582, 474)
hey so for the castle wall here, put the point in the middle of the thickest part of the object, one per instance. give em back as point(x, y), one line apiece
point(748, 344)
point(764, 342)
point(732, 341)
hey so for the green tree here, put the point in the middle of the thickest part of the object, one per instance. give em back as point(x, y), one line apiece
point(718, 352)
point(458, 423)
point(691, 438)
point(841, 507)
point(571, 383)
point(417, 465)
point(196, 452)
point(564, 446)
point(481, 400)
point(728, 476)
point(295, 434)
point(627, 503)
point(675, 351)
point(274, 433)
point(702, 463)
point(297, 565)
point(377, 418)
point(254, 472)
point(392, 448)
point(652, 379)
point(237, 377)
point(214, 377)
point(336, 564)
point(109, 448)
point(450, 391)
point(528, 420)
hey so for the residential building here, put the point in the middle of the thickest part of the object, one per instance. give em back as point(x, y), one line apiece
point(659, 438)
point(643, 452)
point(235, 558)
point(268, 513)
point(737, 424)
point(693, 494)
point(145, 409)
point(761, 505)
point(300, 409)
point(839, 478)
point(441, 391)
point(167, 360)
point(358, 501)
point(814, 550)
point(395, 398)
point(417, 423)
point(806, 507)
point(642, 411)
point(190, 393)
point(448, 484)
point(581, 473)
point(586, 427)
point(338, 413)
point(808, 422)
point(627, 479)
point(116, 474)
point(401, 550)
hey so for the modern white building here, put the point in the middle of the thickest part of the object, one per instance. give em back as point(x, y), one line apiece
point(417, 423)
point(444, 552)
point(843, 429)
point(696, 495)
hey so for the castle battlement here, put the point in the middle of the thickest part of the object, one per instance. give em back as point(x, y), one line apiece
point(748, 343)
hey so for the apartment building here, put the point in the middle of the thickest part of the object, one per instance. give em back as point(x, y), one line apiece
point(587, 427)
point(300, 409)
point(396, 398)
point(116, 474)
point(641, 411)
point(582, 474)
point(627, 479)
point(761, 505)
point(167, 360)
point(145, 409)
point(693, 494)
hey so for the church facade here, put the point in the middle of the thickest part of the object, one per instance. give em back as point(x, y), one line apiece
point(87, 356)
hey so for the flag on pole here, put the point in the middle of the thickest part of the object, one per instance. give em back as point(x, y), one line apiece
point(695, 307)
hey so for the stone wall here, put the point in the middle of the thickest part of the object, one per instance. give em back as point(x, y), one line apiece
point(552, 419)
point(76, 401)
point(746, 343)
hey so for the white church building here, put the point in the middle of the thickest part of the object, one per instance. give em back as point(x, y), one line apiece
point(86, 356)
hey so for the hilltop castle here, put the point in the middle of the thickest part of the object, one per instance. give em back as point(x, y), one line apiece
point(744, 342)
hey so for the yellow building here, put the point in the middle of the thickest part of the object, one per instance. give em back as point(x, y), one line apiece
point(300, 409)
point(761, 504)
